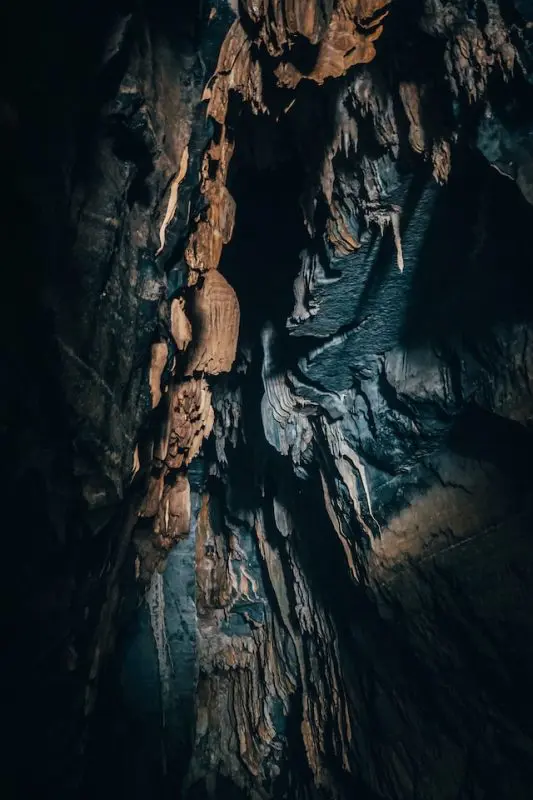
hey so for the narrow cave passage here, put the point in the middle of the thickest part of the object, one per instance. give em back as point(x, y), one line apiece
point(263, 257)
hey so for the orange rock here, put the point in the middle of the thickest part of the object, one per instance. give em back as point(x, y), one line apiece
point(191, 421)
point(153, 496)
point(174, 514)
point(216, 318)
point(179, 323)
point(157, 365)
point(348, 40)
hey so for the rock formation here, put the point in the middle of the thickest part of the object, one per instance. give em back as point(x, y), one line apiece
point(268, 403)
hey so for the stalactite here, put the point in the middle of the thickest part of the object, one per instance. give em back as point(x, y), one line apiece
point(342, 423)
point(348, 40)
point(215, 316)
point(411, 98)
point(285, 423)
point(351, 472)
point(174, 511)
point(173, 199)
point(384, 217)
point(213, 230)
point(180, 325)
point(157, 365)
point(304, 305)
point(191, 421)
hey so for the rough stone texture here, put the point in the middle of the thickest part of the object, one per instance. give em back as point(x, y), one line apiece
point(330, 597)
point(215, 318)
point(98, 103)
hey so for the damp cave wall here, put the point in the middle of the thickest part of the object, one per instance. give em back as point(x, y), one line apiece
point(79, 313)
point(440, 311)
point(425, 373)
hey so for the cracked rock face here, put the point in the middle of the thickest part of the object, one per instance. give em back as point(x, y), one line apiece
point(266, 424)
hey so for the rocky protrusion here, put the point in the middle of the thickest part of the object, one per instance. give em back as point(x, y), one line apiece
point(179, 324)
point(157, 365)
point(174, 514)
point(191, 421)
point(215, 315)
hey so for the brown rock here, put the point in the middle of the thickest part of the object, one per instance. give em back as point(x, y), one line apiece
point(174, 514)
point(153, 496)
point(215, 229)
point(173, 198)
point(157, 365)
point(180, 325)
point(191, 421)
point(216, 324)
point(349, 40)
point(236, 71)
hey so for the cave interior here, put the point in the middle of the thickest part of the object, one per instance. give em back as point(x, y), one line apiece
point(267, 418)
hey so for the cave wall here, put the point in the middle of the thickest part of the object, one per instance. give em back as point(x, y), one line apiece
point(97, 111)
point(267, 358)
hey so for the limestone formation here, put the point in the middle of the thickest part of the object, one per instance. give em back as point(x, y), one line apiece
point(191, 421)
point(157, 365)
point(215, 318)
point(180, 325)
point(271, 284)
point(174, 511)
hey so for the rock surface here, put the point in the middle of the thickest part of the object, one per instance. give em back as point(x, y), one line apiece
point(267, 409)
